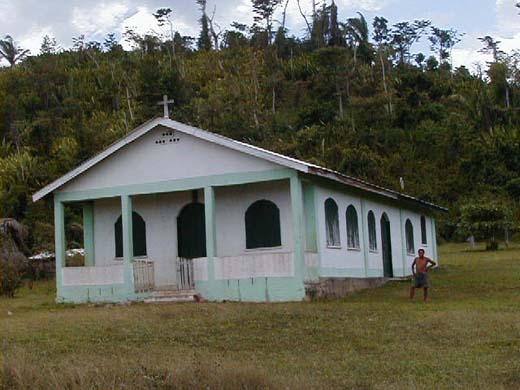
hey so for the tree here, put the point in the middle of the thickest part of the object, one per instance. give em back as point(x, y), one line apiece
point(164, 16)
point(486, 217)
point(264, 10)
point(491, 46)
point(49, 45)
point(11, 52)
point(204, 41)
point(443, 41)
point(358, 37)
point(404, 35)
point(381, 36)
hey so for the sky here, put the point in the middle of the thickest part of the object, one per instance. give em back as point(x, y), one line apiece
point(27, 21)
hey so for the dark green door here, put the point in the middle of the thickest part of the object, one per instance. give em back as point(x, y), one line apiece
point(191, 232)
point(386, 245)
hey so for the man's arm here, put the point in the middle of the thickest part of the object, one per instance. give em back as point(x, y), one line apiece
point(432, 263)
point(414, 266)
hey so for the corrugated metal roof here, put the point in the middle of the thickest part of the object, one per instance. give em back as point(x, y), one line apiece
point(256, 151)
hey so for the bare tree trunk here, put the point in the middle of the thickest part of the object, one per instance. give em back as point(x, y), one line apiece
point(506, 240)
point(389, 98)
point(274, 101)
point(129, 104)
point(309, 28)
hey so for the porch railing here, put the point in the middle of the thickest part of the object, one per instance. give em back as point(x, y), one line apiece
point(185, 275)
point(144, 279)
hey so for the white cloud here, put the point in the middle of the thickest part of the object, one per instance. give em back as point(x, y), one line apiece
point(99, 20)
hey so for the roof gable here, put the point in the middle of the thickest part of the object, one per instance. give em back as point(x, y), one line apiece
point(225, 142)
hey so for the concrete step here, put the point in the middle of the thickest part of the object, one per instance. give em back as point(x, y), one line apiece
point(171, 296)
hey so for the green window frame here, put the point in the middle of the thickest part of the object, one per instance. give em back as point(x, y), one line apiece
point(372, 236)
point(332, 223)
point(424, 235)
point(410, 243)
point(138, 234)
point(262, 220)
point(352, 228)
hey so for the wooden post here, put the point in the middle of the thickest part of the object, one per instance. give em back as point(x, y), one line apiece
point(128, 242)
point(60, 244)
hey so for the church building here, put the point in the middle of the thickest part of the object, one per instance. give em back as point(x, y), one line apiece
point(173, 211)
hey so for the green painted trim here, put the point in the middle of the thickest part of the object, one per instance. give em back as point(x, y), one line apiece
point(128, 244)
point(365, 235)
point(297, 218)
point(434, 241)
point(99, 293)
point(211, 240)
point(309, 195)
point(88, 234)
point(177, 185)
point(327, 272)
point(403, 242)
point(59, 242)
point(259, 289)
point(375, 273)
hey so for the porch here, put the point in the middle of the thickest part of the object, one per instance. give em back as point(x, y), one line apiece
point(223, 273)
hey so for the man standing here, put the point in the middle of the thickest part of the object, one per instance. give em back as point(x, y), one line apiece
point(420, 267)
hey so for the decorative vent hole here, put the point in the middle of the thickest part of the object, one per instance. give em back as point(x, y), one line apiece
point(167, 137)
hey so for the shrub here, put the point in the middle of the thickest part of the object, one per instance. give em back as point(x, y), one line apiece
point(10, 278)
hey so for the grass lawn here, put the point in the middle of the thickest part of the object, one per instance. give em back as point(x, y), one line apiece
point(468, 336)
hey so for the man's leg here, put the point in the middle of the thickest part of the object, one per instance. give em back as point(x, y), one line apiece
point(412, 292)
point(425, 294)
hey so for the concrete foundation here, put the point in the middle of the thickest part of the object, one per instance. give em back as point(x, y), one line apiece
point(340, 287)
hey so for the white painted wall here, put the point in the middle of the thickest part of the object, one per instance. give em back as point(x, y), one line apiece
point(160, 215)
point(344, 262)
point(340, 257)
point(375, 259)
point(144, 161)
point(231, 206)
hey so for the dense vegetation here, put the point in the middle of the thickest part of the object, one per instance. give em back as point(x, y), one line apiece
point(351, 95)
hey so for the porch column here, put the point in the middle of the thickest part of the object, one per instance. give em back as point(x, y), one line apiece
point(59, 243)
point(209, 216)
point(88, 234)
point(297, 219)
point(128, 241)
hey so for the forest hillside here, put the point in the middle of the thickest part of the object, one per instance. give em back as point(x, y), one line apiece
point(353, 95)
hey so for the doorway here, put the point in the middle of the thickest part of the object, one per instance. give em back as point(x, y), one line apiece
point(191, 242)
point(386, 244)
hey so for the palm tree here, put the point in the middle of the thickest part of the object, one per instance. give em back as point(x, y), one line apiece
point(358, 37)
point(10, 51)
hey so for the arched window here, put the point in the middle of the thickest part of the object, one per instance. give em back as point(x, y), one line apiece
point(263, 225)
point(424, 238)
point(372, 238)
point(332, 223)
point(138, 233)
point(410, 246)
point(352, 228)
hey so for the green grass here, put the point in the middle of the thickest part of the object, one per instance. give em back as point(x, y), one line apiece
point(468, 336)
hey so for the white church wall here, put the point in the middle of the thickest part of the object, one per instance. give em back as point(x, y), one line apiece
point(351, 263)
point(160, 213)
point(375, 258)
point(231, 206)
point(146, 161)
point(348, 262)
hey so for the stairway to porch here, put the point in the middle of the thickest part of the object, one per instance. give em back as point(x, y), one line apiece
point(171, 296)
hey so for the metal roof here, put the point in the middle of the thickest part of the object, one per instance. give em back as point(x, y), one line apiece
point(243, 147)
